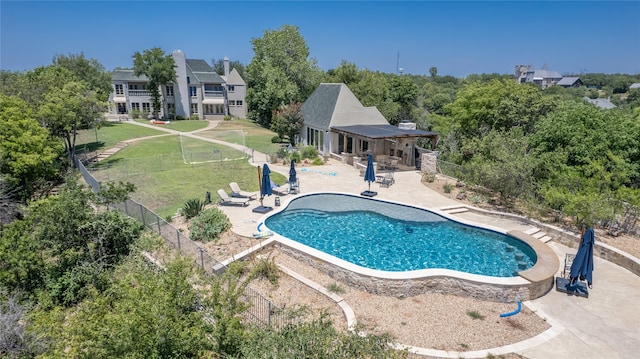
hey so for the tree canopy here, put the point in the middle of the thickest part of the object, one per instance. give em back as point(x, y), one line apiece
point(280, 72)
point(159, 70)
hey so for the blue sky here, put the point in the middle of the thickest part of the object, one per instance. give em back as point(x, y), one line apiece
point(457, 37)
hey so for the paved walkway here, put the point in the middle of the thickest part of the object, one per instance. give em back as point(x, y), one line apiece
point(605, 325)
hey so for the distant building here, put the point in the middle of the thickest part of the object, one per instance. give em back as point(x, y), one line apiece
point(544, 77)
point(198, 90)
point(570, 82)
point(600, 102)
point(635, 85)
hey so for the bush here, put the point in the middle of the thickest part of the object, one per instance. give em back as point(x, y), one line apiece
point(135, 114)
point(318, 161)
point(295, 156)
point(309, 152)
point(447, 187)
point(192, 207)
point(429, 177)
point(276, 139)
point(228, 118)
point(194, 117)
point(266, 268)
point(334, 287)
point(209, 225)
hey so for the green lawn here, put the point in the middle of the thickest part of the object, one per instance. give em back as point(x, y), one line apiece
point(182, 125)
point(164, 182)
point(109, 134)
point(256, 137)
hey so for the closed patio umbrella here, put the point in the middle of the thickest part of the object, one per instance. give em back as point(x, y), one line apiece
point(292, 172)
point(265, 187)
point(369, 174)
point(582, 266)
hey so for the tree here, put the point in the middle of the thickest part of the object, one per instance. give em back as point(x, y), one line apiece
point(404, 92)
point(433, 72)
point(287, 121)
point(347, 73)
point(159, 69)
point(218, 67)
point(28, 154)
point(65, 112)
point(90, 71)
point(373, 90)
point(500, 105)
point(280, 72)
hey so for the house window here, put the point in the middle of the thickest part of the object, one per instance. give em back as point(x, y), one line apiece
point(193, 91)
point(232, 102)
point(135, 106)
point(119, 89)
point(239, 102)
point(146, 107)
point(194, 108)
point(169, 90)
point(133, 87)
point(231, 88)
point(171, 108)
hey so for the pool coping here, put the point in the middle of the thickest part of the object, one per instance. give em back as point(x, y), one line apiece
point(529, 284)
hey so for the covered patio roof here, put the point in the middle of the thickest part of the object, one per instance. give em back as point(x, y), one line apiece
point(381, 131)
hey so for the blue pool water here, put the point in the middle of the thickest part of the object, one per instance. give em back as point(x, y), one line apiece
point(393, 237)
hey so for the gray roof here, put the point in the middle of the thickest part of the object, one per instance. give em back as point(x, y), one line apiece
point(198, 65)
point(333, 104)
point(234, 78)
point(382, 131)
point(635, 85)
point(126, 75)
point(568, 81)
point(600, 102)
point(546, 74)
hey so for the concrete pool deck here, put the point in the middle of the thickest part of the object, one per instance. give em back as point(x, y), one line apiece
point(605, 325)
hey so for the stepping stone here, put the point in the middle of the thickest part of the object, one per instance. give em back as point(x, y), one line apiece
point(546, 239)
point(538, 235)
point(532, 231)
point(459, 210)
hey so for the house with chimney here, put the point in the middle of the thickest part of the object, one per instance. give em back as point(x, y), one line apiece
point(337, 124)
point(197, 91)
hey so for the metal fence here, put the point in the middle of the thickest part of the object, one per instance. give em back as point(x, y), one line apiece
point(261, 310)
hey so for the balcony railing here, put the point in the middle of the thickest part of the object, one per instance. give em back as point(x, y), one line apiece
point(208, 93)
point(139, 93)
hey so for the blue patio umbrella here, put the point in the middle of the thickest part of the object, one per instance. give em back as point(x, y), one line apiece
point(265, 183)
point(582, 266)
point(369, 174)
point(292, 172)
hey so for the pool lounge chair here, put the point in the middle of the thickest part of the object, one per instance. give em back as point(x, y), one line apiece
point(237, 192)
point(226, 200)
point(387, 180)
point(283, 190)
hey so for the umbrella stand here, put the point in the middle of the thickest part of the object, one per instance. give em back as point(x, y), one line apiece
point(262, 208)
point(369, 176)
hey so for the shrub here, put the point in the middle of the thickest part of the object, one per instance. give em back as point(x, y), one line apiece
point(475, 315)
point(192, 207)
point(276, 139)
point(209, 225)
point(318, 161)
point(135, 114)
point(282, 153)
point(447, 187)
point(194, 117)
point(295, 156)
point(266, 268)
point(309, 152)
point(335, 288)
point(228, 118)
point(429, 177)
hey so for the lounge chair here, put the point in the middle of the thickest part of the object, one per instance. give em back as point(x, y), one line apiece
point(226, 200)
point(387, 180)
point(283, 190)
point(237, 192)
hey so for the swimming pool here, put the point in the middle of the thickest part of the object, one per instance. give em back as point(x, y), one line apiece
point(392, 237)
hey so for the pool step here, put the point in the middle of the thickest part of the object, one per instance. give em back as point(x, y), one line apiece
point(538, 234)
